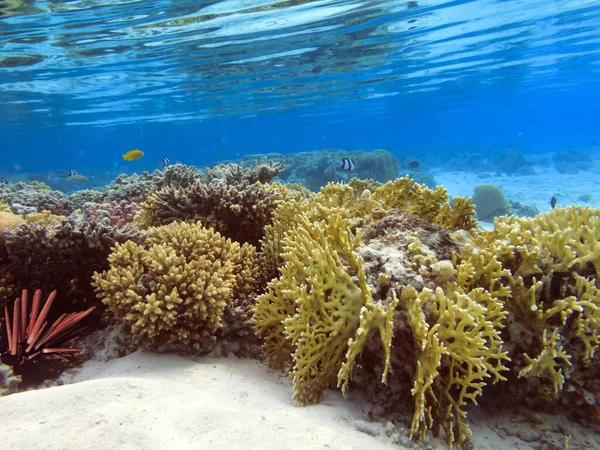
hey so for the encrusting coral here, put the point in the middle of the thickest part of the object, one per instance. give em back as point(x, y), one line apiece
point(173, 290)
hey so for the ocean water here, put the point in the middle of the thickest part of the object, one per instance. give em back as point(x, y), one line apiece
point(82, 82)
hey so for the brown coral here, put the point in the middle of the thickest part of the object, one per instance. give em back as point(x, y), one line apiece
point(173, 292)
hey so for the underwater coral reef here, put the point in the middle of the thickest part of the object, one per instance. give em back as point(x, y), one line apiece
point(380, 285)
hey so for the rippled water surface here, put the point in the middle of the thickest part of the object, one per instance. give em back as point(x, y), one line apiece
point(107, 62)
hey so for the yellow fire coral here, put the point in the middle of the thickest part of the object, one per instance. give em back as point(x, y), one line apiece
point(359, 205)
point(317, 310)
point(431, 205)
point(174, 291)
point(457, 335)
point(553, 263)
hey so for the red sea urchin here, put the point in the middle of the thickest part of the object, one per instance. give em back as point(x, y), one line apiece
point(29, 335)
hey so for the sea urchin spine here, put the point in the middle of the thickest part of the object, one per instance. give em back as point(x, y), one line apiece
point(27, 335)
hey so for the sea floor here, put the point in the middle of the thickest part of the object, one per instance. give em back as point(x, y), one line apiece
point(535, 190)
point(151, 401)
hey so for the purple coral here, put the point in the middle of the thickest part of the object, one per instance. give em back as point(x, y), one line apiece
point(117, 212)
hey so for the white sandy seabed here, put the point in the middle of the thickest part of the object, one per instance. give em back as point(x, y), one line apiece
point(150, 401)
point(529, 190)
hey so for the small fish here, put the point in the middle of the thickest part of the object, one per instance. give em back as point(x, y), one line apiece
point(553, 202)
point(340, 181)
point(74, 176)
point(414, 164)
point(132, 155)
point(347, 164)
point(165, 161)
point(4, 180)
point(91, 177)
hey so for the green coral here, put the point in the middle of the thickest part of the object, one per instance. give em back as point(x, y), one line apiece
point(490, 203)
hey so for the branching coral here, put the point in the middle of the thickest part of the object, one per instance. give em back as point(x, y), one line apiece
point(174, 290)
point(134, 188)
point(552, 264)
point(361, 206)
point(35, 195)
point(238, 211)
point(44, 218)
point(80, 199)
point(457, 335)
point(318, 309)
point(115, 213)
point(62, 256)
point(261, 172)
point(430, 205)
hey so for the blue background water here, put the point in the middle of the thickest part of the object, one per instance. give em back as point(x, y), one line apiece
point(83, 82)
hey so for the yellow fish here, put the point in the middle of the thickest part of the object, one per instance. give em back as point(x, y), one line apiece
point(132, 155)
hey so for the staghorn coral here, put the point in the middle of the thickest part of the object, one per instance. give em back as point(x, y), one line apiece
point(37, 196)
point(318, 310)
point(173, 291)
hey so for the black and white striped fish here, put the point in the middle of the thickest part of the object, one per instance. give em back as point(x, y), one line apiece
point(72, 172)
point(340, 181)
point(347, 164)
point(165, 161)
point(4, 180)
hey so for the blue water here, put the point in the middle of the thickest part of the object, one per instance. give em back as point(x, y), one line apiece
point(82, 82)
